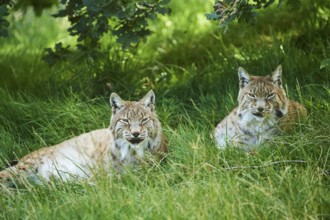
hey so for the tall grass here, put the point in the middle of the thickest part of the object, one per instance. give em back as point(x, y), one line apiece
point(192, 66)
point(197, 180)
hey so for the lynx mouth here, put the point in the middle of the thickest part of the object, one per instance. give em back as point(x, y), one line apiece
point(136, 140)
point(258, 114)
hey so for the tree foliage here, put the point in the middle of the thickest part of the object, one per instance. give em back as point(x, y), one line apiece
point(4, 24)
point(90, 20)
point(226, 11)
point(127, 20)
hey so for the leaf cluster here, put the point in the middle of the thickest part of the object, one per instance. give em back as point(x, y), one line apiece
point(4, 24)
point(226, 11)
point(91, 20)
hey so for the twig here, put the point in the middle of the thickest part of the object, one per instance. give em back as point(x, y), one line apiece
point(265, 165)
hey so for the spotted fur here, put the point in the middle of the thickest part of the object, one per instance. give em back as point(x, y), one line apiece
point(263, 111)
point(134, 131)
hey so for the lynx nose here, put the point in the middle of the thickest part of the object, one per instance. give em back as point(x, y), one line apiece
point(136, 134)
point(260, 109)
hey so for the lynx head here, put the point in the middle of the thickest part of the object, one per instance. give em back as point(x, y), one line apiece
point(262, 96)
point(134, 122)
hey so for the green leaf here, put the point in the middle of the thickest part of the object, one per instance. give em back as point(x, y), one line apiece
point(4, 24)
point(212, 16)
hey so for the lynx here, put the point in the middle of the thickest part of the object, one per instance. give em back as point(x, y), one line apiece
point(134, 132)
point(263, 112)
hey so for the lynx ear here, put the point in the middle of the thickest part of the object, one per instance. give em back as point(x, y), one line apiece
point(277, 76)
point(149, 100)
point(244, 77)
point(116, 103)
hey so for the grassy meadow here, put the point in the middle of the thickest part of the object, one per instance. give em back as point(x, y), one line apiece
point(192, 67)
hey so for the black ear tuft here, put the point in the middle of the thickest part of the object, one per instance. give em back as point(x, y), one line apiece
point(116, 103)
point(244, 77)
point(277, 76)
point(149, 100)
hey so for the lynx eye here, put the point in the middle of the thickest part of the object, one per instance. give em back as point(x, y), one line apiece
point(251, 95)
point(271, 95)
point(145, 120)
point(124, 120)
